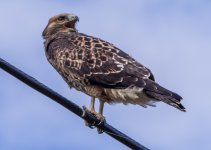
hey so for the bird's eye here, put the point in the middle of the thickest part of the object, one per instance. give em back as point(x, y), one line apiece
point(60, 19)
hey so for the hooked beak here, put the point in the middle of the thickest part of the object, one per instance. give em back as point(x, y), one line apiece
point(72, 22)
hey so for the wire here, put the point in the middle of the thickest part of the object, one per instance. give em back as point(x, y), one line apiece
point(35, 84)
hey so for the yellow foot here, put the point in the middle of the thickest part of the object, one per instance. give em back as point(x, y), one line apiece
point(102, 120)
point(98, 116)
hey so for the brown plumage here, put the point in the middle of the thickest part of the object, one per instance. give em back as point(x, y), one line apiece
point(100, 69)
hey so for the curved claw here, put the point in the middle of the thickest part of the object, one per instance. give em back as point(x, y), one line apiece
point(91, 126)
point(102, 121)
point(100, 131)
point(94, 124)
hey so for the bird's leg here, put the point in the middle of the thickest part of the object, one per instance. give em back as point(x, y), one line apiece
point(92, 105)
point(100, 116)
point(91, 110)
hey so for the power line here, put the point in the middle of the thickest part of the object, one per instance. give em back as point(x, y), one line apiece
point(35, 84)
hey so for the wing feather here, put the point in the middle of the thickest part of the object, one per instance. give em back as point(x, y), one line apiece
point(101, 62)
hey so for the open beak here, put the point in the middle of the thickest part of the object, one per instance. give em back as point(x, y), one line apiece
point(72, 22)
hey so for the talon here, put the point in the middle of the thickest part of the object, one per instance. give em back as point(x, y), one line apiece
point(102, 121)
point(84, 111)
point(99, 115)
point(100, 131)
point(91, 126)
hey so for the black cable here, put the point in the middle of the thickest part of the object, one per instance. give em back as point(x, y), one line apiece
point(33, 83)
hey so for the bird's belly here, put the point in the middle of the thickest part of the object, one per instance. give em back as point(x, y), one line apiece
point(132, 95)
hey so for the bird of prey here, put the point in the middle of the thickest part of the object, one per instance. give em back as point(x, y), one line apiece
point(100, 69)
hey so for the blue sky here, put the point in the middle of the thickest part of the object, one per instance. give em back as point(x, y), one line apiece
point(170, 37)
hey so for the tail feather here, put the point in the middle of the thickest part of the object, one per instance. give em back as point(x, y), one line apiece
point(154, 90)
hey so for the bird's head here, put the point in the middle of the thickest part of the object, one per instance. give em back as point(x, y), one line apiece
point(61, 23)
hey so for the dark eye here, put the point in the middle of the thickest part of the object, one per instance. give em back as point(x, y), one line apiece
point(60, 19)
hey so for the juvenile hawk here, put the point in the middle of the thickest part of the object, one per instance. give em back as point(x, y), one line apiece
point(100, 69)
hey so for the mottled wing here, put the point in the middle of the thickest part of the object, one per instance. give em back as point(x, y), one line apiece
point(98, 61)
point(107, 66)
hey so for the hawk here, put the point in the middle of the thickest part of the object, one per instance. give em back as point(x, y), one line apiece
point(100, 69)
